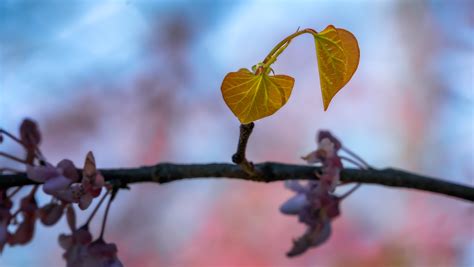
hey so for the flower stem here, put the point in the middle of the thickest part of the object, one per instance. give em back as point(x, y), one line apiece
point(356, 163)
point(104, 220)
point(354, 155)
point(39, 155)
point(16, 190)
point(348, 193)
point(97, 208)
point(12, 137)
point(8, 156)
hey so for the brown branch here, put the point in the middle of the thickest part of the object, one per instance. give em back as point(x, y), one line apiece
point(269, 172)
point(239, 157)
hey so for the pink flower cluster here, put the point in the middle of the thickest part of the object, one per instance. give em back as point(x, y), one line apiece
point(65, 184)
point(315, 203)
point(81, 251)
point(62, 181)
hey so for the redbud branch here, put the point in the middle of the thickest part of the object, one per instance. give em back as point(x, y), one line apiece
point(268, 172)
point(239, 156)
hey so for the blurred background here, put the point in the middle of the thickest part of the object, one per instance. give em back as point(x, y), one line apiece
point(138, 82)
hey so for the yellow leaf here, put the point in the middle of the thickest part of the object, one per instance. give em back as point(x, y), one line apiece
point(254, 96)
point(338, 54)
point(351, 49)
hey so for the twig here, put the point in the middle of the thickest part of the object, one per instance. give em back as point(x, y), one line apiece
point(239, 156)
point(270, 172)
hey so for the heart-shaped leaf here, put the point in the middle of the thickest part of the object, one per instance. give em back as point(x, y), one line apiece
point(254, 96)
point(338, 55)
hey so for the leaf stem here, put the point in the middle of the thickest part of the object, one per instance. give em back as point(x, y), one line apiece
point(281, 46)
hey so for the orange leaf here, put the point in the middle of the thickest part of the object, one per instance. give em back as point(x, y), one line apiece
point(338, 55)
point(351, 49)
point(251, 97)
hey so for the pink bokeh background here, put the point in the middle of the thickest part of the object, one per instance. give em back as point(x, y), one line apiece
point(138, 83)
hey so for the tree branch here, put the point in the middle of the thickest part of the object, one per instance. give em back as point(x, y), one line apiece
point(270, 172)
point(239, 157)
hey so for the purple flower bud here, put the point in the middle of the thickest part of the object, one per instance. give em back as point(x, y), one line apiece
point(294, 205)
point(55, 184)
point(50, 214)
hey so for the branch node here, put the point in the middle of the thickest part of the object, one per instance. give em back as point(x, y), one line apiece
point(239, 156)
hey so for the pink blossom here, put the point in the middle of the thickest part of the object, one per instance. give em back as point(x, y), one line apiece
point(326, 154)
point(29, 133)
point(55, 179)
point(314, 203)
point(30, 138)
point(71, 217)
point(5, 217)
point(50, 213)
point(90, 186)
point(316, 208)
point(76, 245)
point(102, 254)
point(25, 231)
point(82, 252)
point(326, 134)
point(92, 180)
point(61, 181)
point(313, 237)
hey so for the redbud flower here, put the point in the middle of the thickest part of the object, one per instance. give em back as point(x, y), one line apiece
point(55, 179)
point(5, 217)
point(90, 186)
point(92, 180)
point(50, 213)
point(102, 254)
point(326, 154)
point(82, 252)
point(30, 138)
point(76, 245)
point(24, 232)
point(314, 203)
point(62, 181)
point(315, 207)
point(29, 133)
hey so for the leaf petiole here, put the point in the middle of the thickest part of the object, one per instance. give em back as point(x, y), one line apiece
point(281, 46)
